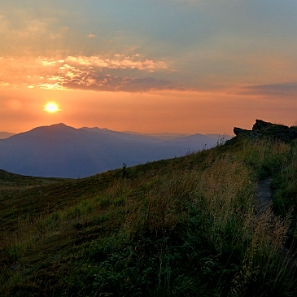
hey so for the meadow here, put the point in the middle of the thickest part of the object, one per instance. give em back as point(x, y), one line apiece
point(187, 226)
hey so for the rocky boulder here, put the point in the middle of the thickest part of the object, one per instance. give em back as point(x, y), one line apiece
point(267, 130)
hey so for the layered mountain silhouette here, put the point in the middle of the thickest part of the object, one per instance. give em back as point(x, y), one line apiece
point(62, 151)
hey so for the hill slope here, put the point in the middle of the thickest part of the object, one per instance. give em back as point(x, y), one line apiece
point(180, 227)
point(62, 151)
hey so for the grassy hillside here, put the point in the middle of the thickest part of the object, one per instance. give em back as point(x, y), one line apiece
point(181, 227)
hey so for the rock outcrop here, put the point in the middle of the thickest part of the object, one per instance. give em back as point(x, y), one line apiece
point(267, 130)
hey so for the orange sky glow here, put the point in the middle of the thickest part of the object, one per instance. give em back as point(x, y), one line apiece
point(134, 67)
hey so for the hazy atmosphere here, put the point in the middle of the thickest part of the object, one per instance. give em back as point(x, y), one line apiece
point(148, 148)
point(183, 66)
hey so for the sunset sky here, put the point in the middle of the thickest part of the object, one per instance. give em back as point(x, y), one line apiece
point(186, 66)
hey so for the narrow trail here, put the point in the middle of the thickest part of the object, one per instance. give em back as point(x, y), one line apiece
point(263, 204)
point(264, 195)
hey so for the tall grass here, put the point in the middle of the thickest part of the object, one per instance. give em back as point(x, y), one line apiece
point(182, 227)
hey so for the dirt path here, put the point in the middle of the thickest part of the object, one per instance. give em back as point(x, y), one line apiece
point(264, 194)
point(264, 203)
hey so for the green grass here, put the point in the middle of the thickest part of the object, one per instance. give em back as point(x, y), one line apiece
point(180, 227)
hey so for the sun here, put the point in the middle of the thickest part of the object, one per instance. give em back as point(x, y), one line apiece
point(51, 107)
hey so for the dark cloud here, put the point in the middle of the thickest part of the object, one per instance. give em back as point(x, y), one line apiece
point(106, 82)
point(281, 89)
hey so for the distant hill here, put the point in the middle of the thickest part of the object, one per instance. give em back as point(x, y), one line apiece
point(63, 151)
point(167, 136)
point(4, 135)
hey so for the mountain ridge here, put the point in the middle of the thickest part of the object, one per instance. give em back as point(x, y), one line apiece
point(63, 151)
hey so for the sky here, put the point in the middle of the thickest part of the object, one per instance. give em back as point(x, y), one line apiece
point(180, 66)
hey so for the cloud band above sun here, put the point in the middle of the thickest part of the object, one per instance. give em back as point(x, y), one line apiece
point(116, 73)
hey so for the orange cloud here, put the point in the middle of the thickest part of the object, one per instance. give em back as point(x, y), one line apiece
point(24, 31)
point(118, 61)
point(84, 72)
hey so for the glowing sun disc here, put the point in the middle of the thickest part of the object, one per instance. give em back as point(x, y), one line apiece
point(51, 107)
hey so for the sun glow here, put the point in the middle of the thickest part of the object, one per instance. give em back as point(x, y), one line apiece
point(51, 107)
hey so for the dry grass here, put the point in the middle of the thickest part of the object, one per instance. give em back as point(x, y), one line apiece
point(177, 227)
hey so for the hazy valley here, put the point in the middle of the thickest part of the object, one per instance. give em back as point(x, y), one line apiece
point(63, 151)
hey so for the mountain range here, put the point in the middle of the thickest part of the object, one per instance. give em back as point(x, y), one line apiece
point(63, 151)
